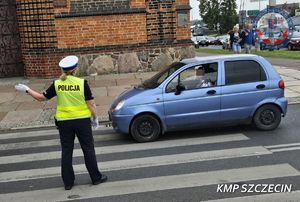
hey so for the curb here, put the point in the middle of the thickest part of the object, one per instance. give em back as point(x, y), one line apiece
point(104, 126)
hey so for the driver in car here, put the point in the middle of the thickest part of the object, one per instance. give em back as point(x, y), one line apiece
point(202, 81)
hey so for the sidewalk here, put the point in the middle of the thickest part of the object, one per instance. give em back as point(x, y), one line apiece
point(18, 110)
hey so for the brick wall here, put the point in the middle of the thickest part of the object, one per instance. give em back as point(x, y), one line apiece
point(160, 20)
point(84, 6)
point(137, 3)
point(101, 30)
point(58, 28)
point(42, 65)
point(182, 2)
point(36, 24)
point(62, 6)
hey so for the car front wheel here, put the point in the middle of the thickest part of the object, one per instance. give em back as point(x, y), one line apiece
point(145, 128)
point(290, 47)
point(267, 117)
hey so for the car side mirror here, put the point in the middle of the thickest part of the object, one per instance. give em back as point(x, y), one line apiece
point(179, 89)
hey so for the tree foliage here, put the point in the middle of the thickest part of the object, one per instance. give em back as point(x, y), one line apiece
point(229, 16)
point(219, 15)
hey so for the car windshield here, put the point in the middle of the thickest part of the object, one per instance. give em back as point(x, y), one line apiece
point(158, 78)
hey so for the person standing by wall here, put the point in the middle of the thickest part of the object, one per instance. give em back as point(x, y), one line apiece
point(75, 106)
point(248, 39)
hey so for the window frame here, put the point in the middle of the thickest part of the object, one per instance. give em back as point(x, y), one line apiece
point(191, 66)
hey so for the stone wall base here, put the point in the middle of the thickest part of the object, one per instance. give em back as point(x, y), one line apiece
point(45, 65)
point(139, 61)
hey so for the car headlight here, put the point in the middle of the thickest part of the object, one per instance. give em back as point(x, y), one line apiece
point(120, 105)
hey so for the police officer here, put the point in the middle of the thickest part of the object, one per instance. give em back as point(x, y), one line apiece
point(75, 106)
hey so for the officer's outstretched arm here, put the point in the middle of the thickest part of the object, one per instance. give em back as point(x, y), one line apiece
point(23, 88)
point(36, 95)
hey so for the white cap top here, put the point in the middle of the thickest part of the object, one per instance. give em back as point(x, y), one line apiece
point(69, 62)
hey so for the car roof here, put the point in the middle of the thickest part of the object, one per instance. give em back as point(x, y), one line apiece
point(219, 57)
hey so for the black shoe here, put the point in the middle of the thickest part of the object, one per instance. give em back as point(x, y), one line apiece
point(103, 179)
point(68, 187)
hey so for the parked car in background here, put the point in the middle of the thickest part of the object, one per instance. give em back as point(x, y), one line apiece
point(225, 43)
point(294, 43)
point(202, 41)
point(220, 39)
point(212, 40)
point(194, 39)
point(240, 88)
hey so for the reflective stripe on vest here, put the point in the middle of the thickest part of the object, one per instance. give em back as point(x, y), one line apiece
point(70, 99)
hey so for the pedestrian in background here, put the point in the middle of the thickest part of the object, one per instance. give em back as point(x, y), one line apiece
point(248, 38)
point(236, 39)
point(75, 106)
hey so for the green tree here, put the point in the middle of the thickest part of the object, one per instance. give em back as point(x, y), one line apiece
point(219, 15)
point(210, 13)
point(229, 16)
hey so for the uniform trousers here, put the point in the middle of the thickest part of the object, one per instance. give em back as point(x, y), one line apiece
point(82, 129)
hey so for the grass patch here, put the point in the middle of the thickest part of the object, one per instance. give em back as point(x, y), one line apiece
point(284, 54)
point(216, 35)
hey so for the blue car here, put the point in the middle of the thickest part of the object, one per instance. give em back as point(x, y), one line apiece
point(199, 92)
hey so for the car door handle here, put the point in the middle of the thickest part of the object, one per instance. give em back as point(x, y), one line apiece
point(260, 86)
point(211, 92)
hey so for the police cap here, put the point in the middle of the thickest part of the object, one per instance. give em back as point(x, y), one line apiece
point(68, 63)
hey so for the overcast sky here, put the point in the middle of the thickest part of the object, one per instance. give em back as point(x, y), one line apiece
point(248, 6)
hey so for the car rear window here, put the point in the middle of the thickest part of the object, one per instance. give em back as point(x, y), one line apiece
point(243, 71)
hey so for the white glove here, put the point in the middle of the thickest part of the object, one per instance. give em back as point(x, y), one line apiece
point(21, 87)
point(95, 123)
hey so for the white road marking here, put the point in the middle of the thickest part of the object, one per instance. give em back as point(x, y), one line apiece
point(138, 163)
point(41, 133)
point(125, 148)
point(155, 184)
point(293, 196)
point(28, 134)
point(54, 142)
point(285, 149)
point(282, 145)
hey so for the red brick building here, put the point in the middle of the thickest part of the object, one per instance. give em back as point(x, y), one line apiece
point(110, 36)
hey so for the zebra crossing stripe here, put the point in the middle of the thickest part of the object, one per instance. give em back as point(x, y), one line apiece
point(137, 163)
point(293, 196)
point(156, 184)
point(40, 133)
point(126, 148)
point(283, 147)
point(28, 134)
point(54, 142)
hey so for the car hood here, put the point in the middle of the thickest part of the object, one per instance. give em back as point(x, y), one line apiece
point(136, 96)
point(126, 94)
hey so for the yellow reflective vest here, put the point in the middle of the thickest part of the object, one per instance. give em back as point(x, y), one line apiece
point(70, 99)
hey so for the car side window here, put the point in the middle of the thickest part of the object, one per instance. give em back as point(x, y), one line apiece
point(171, 87)
point(200, 76)
point(243, 71)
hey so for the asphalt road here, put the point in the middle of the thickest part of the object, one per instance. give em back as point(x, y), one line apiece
point(181, 166)
point(294, 64)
